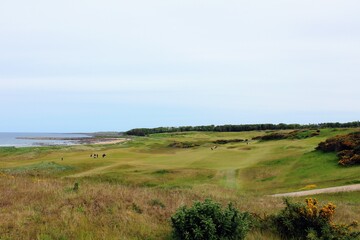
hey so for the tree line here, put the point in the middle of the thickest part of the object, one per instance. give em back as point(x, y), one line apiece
point(240, 128)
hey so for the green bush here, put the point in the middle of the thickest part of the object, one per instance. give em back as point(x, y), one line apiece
point(307, 221)
point(207, 220)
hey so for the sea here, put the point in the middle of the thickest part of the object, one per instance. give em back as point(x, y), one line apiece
point(11, 139)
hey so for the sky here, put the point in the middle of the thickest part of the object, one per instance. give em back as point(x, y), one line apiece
point(113, 65)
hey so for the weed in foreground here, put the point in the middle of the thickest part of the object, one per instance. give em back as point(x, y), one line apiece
point(308, 221)
point(156, 202)
point(76, 187)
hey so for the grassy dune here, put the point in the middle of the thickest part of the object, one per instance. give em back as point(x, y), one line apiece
point(131, 193)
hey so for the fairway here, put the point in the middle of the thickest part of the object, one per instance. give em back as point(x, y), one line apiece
point(161, 160)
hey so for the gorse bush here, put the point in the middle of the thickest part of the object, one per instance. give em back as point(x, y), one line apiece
point(296, 134)
point(346, 146)
point(308, 221)
point(207, 220)
point(183, 145)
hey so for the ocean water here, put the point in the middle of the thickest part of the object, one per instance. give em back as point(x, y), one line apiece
point(14, 139)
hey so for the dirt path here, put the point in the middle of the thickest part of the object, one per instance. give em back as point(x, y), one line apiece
point(347, 188)
point(230, 176)
point(95, 170)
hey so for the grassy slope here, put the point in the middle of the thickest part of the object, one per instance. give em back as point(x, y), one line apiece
point(238, 172)
point(267, 167)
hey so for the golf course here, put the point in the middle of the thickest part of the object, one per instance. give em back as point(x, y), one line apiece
point(133, 187)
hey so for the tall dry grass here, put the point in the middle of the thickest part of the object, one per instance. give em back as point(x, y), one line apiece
point(46, 208)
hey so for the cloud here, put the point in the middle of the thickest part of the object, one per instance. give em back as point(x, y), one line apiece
point(225, 58)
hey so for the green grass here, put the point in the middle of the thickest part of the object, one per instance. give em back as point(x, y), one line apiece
point(43, 167)
point(265, 166)
point(158, 178)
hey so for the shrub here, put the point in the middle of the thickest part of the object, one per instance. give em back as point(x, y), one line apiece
point(296, 134)
point(225, 141)
point(209, 221)
point(183, 145)
point(308, 221)
point(346, 146)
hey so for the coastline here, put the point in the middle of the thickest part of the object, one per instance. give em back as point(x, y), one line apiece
point(79, 140)
point(98, 141)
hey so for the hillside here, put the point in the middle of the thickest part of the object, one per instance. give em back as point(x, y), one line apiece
point(140, 183)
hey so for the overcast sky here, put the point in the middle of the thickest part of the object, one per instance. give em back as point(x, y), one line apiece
point(82, 66)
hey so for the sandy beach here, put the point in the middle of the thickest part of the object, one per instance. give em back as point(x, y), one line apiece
point(104, 140)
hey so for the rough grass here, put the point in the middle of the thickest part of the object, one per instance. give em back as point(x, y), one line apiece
point(33, 208)
point(132, 193)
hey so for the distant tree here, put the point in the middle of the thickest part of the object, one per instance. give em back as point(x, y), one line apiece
point(239, 128)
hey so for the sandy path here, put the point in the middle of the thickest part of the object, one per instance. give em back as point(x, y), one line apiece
point(347, 188)
point(95, 170)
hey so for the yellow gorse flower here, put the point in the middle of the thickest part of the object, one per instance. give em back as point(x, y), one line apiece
point(328, 211)
point(311, 208)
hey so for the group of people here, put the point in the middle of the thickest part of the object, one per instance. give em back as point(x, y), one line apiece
point(95, 155)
